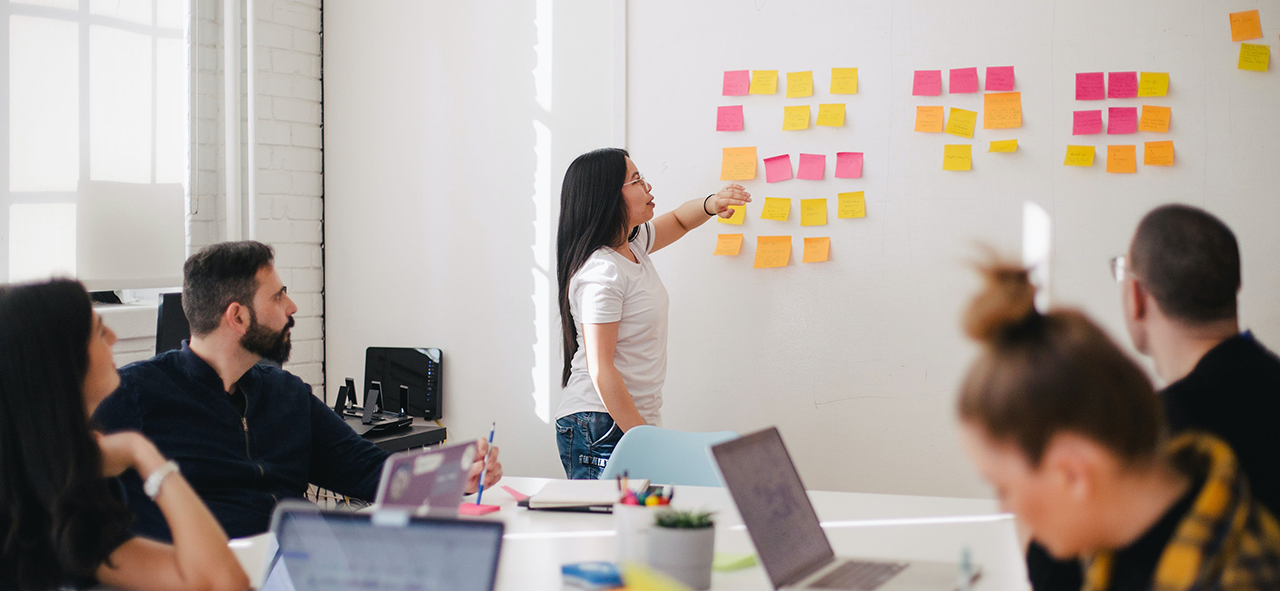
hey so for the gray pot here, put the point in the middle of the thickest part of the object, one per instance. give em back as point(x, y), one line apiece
point(683, 554)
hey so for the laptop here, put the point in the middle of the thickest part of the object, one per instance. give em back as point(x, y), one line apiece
point(427, 482)
point(385, 550)
point(794, 550)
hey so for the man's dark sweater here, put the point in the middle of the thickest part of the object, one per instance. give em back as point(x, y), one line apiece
point(240, 465)
point(1233, 393)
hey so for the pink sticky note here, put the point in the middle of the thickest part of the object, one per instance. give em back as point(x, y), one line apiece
point(1122, 84)
point(848, 165)
point(1122, 120)
point(777, 168)
point(964, 80)
point(813, 166)
point(474, 509)
point(737, 82)
point(927, 83)
point(1090, 87)
point(1087, 123)
point(1000, 78)
point(729, 118)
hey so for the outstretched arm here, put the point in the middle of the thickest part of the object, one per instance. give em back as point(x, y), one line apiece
point(673, 225)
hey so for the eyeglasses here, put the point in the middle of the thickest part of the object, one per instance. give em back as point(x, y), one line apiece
point(639, 179)
point(1118, 268)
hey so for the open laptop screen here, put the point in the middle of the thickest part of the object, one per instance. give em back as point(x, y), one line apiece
point(767, 489)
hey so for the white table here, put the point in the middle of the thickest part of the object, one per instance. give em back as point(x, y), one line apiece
point(869, 525)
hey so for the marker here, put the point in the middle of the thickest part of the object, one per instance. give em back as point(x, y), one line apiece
point(484, 466)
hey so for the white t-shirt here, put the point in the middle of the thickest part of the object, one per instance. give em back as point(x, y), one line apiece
point(611, 288)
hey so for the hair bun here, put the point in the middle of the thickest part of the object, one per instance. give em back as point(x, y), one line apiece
point(1007, 301)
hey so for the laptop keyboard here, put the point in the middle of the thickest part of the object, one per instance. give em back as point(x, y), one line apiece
point(859, 576)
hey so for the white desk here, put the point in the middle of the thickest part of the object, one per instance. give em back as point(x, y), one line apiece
point(875, 526)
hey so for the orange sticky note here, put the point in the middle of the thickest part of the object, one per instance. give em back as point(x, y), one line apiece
point(957, 157)
point(1245, 25)
point(929, 119)
point(851, 205)
point(1153, 84)
point(1254, 57)
point(794, 118)
point(844, 81)
point(1122, 159)
point(772, 251)
point(813, 212)
point(1001, 110)
point(799, 84)
point(962, 122)
point(1158, 154)
point(1079, 156)
point(738, 164)
point(739, 215)
point(728, 245)
point(1154, 119)
point(764, 82)
point(816, 250)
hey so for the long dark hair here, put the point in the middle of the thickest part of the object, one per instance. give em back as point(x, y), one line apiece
point(59, 519)
point(593, 213)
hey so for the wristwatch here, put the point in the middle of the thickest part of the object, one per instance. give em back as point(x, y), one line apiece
point(152, 485)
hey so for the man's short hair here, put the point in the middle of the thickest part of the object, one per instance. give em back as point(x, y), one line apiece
point(218, 276)
point(1189, 261)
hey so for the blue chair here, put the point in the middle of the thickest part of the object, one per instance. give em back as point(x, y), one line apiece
point(667, 457)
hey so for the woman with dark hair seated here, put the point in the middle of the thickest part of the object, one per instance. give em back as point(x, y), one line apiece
point(62, 515)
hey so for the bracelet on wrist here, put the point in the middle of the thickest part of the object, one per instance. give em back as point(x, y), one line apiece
point(157, 478)
point(704, 204)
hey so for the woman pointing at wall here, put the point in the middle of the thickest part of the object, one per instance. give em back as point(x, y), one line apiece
point(613, 306)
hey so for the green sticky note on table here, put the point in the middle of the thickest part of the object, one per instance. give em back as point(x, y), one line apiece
point(726, 561)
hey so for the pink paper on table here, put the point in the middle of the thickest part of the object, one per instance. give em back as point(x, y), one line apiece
point(1000, 78)
point(1122, 120)
point(964, 80)
point(1122, 84)
point(848, 165)
point(1090, 87)
point(778, 168)
point(812, 166)
point(736, 82)
point(474, 509)
point(729, 118)
point(1087, 123)
point(927, 83)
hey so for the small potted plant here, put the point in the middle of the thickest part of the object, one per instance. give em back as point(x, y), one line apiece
point(682, 544)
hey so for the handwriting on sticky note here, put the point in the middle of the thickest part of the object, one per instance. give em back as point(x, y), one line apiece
point(927, 83)
point(728, 245)
point(1254, 57)
point(794, 118)
point(844, 81)
point(963, 80)
point(739, 215)
point(813, 212)
point(736, 82)
point(961, 122)
point(1153, 84)
point(764, 81)
point(1001, 110)
point(1000, 78)
point(729, 118)
point(848, 165)
point(772, 251)
point(851, 205)
point(1122, 159)
point(799, 84)
point(813, 166)
point(1245, 25)
point(831, 115)
point(1158, 154)
point(777, 168)
point(817, 250)
point(957, 157)
point(1121, 120)
point(1155, 119)
point(1003, 146)
point(929, 119)
point(1086, 122)
point(1079, 156)
point(1122, 84)
point(1090, 87)
point(738, 164)
point(776, 208)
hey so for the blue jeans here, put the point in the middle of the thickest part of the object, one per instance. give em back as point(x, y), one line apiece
point(586, 441)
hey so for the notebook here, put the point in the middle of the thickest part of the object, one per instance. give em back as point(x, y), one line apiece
point(581, 495)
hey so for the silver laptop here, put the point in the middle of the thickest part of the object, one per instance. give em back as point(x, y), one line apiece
point(427, 482)
point(794, 550)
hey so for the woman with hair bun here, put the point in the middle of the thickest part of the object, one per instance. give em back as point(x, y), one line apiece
point(1069, 432)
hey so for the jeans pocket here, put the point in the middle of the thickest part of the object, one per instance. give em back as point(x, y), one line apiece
point(603, 433)
point(564, 443)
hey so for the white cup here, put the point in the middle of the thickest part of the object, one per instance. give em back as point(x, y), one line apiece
point(632, 523)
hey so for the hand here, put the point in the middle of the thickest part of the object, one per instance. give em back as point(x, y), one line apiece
point(125, 450)
point(732, 194)
point(492, 474)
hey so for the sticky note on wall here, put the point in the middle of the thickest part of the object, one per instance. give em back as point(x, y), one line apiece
point(1002, 110)
point(1079, 156)
point(1153, 84)
point(795, 118)
point(772, 251)
point(728, 245)
point(1086, 122)
point(999, 78)
point(738, 164)
point(957, 157)
point(831, 115)
point(1122, 159)
point(848, 165)
point(1158, 154)
point(961, 122)
point(844, 81)
point(729, 118)
point(1122, 84)
point(1003, 146)
point(1254, 57)
point(799, 84)
point(739, 215)
point(929, 119)
point(927, 83)
point(1245, 25)
point(851, 205)
point(776, 208)
point(813, 166)
point(813, 212)
point(963, 80)
point(817, 250)
point(1155, 119)
point(736, 82)
point(1090, 87)
point(777, 168)
point(764, 82)
point(1121, 120)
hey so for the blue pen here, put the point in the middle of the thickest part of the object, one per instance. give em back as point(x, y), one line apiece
point(485, 465)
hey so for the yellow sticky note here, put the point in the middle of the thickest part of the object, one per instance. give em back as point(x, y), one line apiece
point(728, 245)
point(739, 215)
point(639, 577)
point(929, 119)
point(844, 81)
point(1153, 84)
point(1245, 25)
point(795, 118)
point(1158, 154)
point(962, 122)
point(817, 250)
point(1079, 156)
point(957, 157)
point(764, 82)
point(1254, 57)
point(1001, 110)
point(813, 212)
point(1122, 159)
point(851, 205)
point(799, 84)
point(738, 164)
point(831, 115)
point(1155, 119)
point(1003, 146)
point(772, 251)
point(776, 208)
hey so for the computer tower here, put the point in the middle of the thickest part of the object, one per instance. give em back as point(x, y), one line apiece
point(417, 368)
